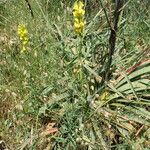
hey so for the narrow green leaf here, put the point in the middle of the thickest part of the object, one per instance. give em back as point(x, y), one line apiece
point(134, 74)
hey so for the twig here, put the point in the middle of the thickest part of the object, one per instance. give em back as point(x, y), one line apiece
point(112, 39)
point(30, 8)
point(137, 133)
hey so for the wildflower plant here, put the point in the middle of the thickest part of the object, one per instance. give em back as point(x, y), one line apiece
point(23, 36)
point(79, 25)
point(78, 13)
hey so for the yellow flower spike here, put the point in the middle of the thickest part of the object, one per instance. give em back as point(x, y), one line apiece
point(22, 31)
point(78, 5)
point(78, 10)
point(78, 13)
point(79, 26)
point(23, 35)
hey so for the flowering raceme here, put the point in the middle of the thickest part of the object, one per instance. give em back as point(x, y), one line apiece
point(78, 13)
point(23, 35)
point(78, 9)
point(79, 26)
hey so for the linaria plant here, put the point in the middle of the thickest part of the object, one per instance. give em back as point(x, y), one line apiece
point(79, 26)
point(88, 86)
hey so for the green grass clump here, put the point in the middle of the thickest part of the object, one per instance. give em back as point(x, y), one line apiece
point(66, 91)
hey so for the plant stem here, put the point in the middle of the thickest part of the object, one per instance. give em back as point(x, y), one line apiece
point(30, 8)
point(112, 38)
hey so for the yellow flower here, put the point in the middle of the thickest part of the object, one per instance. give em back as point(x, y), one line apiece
point(79, 25)
point(23, 35)
point(78, 10)
point(78, 13)
point(22, 31)
point(78, 5)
